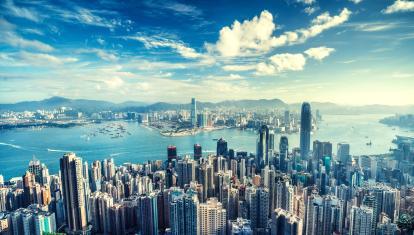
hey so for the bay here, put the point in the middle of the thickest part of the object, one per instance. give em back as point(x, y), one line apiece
point(17, 146)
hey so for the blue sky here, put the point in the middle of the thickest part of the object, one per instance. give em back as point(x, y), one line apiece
point(342, 51)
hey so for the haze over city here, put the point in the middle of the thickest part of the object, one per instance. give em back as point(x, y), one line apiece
point(347, 52)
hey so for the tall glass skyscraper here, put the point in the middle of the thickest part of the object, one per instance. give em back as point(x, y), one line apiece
point(263, 146)
point(73, 192)
point(305, 130)
point(193, 112)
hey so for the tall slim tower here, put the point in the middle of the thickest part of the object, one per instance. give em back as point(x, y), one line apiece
point(193, 112)
point(283, 153)
point(73, 193)
point(305, 130)
point(263, 146)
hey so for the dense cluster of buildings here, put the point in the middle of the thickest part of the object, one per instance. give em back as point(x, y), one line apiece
point(277, 190)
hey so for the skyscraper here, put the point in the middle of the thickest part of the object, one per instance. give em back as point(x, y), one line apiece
point(222, 147)
point(198, 153)
point(283, 153)
point(263, 146)
point(305, 130)
point(72, 185)
point(149, 214)
point(361, 220)
point(212, 217)
point(284, 222)
point(258, 201)
point(184, 213)
point(343, 152)
point(185, 171)
point(171, 152)
point(193, 112)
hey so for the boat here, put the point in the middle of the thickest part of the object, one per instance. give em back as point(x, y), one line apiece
point(369, 143)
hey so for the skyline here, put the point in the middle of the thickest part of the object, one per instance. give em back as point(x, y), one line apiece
point(346, 52)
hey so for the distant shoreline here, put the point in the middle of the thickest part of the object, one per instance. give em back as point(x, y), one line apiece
point(185, 132)
point(58, 124)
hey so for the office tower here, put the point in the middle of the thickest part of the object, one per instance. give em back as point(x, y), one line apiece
point(148, 212)
point(193, 112)
point(44, 223)
point(271, 141)
point(332, 215)
point(202, 120)
point(185, 171)
point(343, 153)
point(99, 204)
point(198, 153)
point(263, 146)
point(3, 199)
point(387, 200)
point(283, 197)
point(171, 153)
point(239, 226)
point(285, 223)
point(40, 171)
point(286, 120)
point(72, 188)
point(391, 203)
point(96, 176)
point(117, 219)
point(222, 147)
point(305, 130)
point(205, 179)
point(184, 213)
point(321, 150)
point(108, 168)
point(29, 183)
point(258, 202)
point(212, 217)
point(242, 169)
point(314, 215)
point(361, 221)
point(386, 227)
point(283, 153)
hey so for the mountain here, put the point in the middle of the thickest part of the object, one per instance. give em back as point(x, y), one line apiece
point(230, 104)
point(82, 105)
point(89, 106)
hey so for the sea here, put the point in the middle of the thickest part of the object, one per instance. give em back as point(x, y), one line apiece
point(19, 146)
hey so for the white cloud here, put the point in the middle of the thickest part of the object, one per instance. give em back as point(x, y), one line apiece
point(21, 12)
point(230, 77)
point(100, 41)
point(15, 40)
point(319, 53)
point(310, 10)
point(105, 55)
point(282, 62)
point(10, 37)
point(376, 26)
point(114, 83)
point(33, 31)
point(43, 59)
point(249, 35)
point(179, 47)
point(307, 2)
point(399, 6)
point(142, 64)
point(175, 7)
point(239, 68)
point(256, 35)
point(355, 1)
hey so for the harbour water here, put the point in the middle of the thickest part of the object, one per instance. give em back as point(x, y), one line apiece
point(17, 146)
